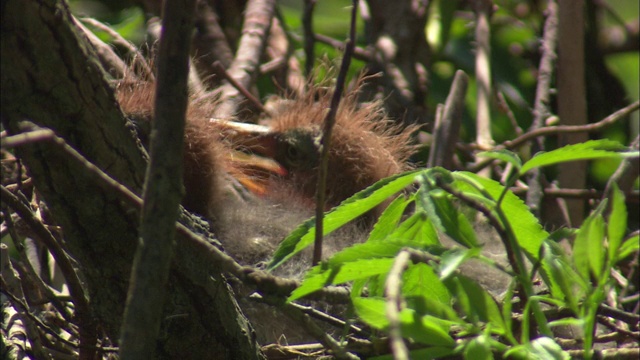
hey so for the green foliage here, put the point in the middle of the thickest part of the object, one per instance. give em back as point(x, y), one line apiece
point(447, 312)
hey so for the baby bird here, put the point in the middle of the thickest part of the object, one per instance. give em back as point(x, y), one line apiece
point(364, 149)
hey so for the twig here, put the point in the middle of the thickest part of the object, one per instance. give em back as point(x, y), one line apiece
point(309, 38)
point(541, 109)
point(325, 142)
point(392, 287)
point(312, 328)
point(87, 329)
point(446, 132)
point(568, 129)
point(222, 71)
point(257, 24)
point(483, 76)
point(118, 39)
point(110, 61)
point(562, 129)
point(258, 279)
point(162, 188)
point(358, 53)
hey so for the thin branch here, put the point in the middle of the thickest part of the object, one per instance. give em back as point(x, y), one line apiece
point(483, 10)
point(568, 129)
point(309, 38)
point(358, 53)
point(162, 188)
point(85, 320)
point(554, 130)
point(445, 134)
point(258, 279)
point(541, 109)
point(245, 66)
point(392, 287)
point(325, 142)
point(139, 60)
point(222, 71)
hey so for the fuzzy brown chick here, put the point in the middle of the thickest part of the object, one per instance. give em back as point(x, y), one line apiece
point(364, 148)
point(204, 152)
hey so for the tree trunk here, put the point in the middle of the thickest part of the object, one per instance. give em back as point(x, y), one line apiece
point(50, 76)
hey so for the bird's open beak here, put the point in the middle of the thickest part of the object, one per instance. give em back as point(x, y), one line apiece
point(254, 160)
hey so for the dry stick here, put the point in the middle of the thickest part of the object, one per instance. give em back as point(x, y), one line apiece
point(85, 320)
point(222, 71)
point(562, 129)
point(162, 188)
point(325, 142)
point(111, 62)
point(118, 39)
point(445, 134)
point(309, 38)
point(625, 167)
point(541, 109)
point(392, 287)
point(358, 53)
point(483, 76)
point(243, 69)
point(260, 280)
point(48, 294)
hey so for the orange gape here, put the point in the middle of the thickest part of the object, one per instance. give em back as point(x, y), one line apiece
point(364, 149)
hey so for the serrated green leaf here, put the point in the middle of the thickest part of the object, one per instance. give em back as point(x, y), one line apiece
point(318, 277)
point(348, 210)
point(525, 225)
point(593, 149)
point(505, 155)
point(617, 225)
point(389, 219)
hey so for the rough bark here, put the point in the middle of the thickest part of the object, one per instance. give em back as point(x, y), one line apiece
point(50, 76)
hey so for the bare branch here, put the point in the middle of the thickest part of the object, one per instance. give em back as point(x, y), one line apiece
point(325, 142)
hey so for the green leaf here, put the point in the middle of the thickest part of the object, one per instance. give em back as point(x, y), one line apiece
point(453, 258)
point(588, 247)
point(446, 218)
point(416, 230)
point(593, 149)
point(525, 225)
point(390, 218)
point(630, 246)
point(478, 348)
point(505, 155)
point(477, 303)
point(617, 222)
point(420, 279)
point(565, 284)
point(425, 329)
point(319, 277)
point(348, 210)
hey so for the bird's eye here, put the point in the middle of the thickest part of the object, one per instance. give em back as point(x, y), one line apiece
point(293, 155)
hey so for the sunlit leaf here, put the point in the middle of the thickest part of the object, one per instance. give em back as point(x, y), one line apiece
point(318, 277)
point(593, 149)
point(525, 225)
point(348, 210)
point(617, 225)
